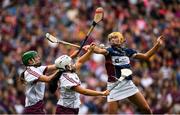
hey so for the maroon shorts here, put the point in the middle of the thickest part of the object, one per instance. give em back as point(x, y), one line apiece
point(65, 110)
point(38, 108)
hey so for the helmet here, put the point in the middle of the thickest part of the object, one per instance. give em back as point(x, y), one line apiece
point(28, 55)
point(62, 61)
point(120, 36)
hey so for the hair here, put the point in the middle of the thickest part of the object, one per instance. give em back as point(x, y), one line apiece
point(54, 82)
point(21, 78)
point(120, 36)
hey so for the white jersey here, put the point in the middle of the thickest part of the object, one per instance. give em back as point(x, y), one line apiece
point(34, 89)
point(69, 98)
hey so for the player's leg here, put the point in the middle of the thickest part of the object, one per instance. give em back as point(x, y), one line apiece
point(113, 107)
point(139, 100)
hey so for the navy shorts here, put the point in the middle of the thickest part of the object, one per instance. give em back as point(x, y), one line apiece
point(38, 108)
point(65, 110)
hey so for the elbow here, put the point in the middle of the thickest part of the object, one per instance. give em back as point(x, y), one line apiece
point(79, 62)
point(146, 57)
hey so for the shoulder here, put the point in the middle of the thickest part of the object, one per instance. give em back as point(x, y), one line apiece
point(71, 78)
point(70, 75)
point(32, 71)
point(129, 50)
point(31, 76)
point(109, 49)
point(42, 68)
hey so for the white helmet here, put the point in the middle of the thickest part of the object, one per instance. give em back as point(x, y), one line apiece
point(62, 61)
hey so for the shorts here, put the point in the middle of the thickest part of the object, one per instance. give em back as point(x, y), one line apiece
point(38, 108)
point(65, 110)
point(124, 89)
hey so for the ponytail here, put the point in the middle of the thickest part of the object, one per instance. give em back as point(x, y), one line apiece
point(21, 78)
point(53, 85)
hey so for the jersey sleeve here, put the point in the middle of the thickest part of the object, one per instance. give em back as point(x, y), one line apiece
point(130, 52)
point(31, 76)
point(43, 69)
point(68, 81)
point(109, 50)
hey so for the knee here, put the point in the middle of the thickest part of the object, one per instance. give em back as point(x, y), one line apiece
point(112, 111)
point(112, 108)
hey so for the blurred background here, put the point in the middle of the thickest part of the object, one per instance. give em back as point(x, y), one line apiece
point(24, 23)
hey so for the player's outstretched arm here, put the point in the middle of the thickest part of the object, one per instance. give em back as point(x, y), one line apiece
point(97, 49)
point(152, 51)
point(85, 57)
point(51, 68)
point(45, 78)
point(74, 54)
point(90, 92)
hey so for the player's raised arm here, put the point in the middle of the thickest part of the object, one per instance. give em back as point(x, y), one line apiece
point(97, 49)
point(45, 78)
point(152, 51)
point(74, 54)
point(51, 68)
point(85, 57)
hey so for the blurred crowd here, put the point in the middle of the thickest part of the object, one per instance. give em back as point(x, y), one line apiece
point(24, 23)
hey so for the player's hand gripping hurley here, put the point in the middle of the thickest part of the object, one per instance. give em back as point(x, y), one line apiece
point(124, 73)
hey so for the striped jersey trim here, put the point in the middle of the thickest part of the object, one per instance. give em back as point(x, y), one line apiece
point(33, 73)
point(70, 79)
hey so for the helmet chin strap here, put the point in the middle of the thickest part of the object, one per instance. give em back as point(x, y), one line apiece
point(34, 63)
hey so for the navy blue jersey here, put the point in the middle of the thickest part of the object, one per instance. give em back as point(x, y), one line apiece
point(117, 59)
